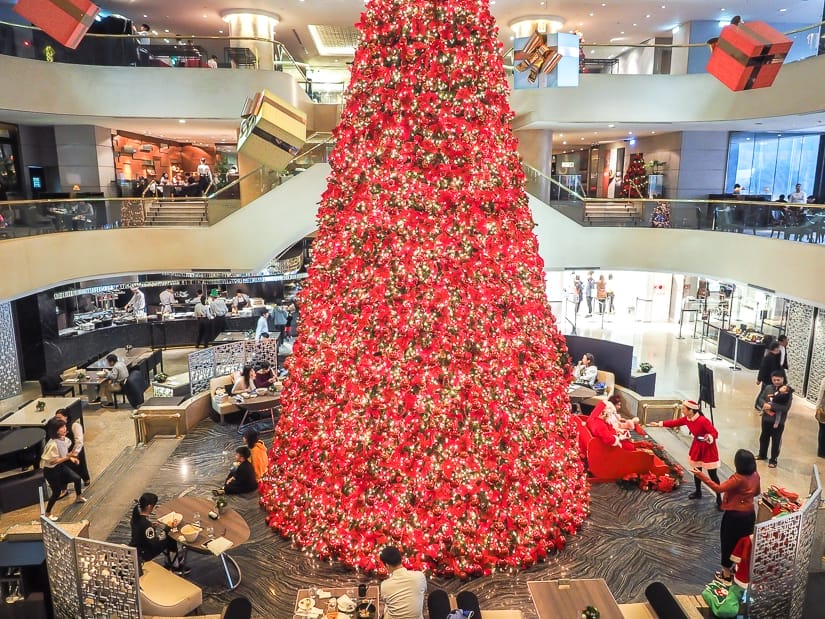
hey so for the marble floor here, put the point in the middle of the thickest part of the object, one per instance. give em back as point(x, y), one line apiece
point(631, 539)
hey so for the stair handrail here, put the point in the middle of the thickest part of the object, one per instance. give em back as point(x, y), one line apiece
point(528, 169)
point(262, 168)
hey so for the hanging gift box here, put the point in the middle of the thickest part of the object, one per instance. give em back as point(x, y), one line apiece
point(66, 21)
point(748, 56)
point(272, 131)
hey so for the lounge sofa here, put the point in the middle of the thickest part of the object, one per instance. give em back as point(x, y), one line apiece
point(174, 420)
point(222, 405)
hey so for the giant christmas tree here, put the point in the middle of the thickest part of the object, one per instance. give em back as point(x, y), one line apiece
point(426, 402)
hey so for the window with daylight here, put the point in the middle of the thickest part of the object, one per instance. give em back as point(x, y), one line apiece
point(771, 164)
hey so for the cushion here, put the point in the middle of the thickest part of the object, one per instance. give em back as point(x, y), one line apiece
point(165, 594)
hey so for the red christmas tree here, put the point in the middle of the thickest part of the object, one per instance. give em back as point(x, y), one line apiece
point(426, 402)
point(634, 184)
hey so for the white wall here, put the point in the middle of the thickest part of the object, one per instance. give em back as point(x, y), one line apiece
point(247, 239)
point(670, 98)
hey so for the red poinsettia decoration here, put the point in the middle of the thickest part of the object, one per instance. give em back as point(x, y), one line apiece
point(426, 404)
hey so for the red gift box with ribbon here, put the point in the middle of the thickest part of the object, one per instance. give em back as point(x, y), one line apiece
point(748, 56)
point(66, 21)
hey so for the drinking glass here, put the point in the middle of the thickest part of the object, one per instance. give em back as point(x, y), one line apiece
point(210, 532)
point(196, 519)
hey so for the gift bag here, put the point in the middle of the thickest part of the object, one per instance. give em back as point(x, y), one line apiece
point(723, 598)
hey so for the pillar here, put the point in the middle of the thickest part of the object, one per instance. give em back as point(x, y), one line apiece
point(536, 148)
point(85, 158)
point(254, 23)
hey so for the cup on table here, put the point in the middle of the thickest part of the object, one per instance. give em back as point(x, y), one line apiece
point(210, 532)
point(196, 519)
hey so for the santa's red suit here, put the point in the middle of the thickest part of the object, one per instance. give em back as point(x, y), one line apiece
point(605, 432)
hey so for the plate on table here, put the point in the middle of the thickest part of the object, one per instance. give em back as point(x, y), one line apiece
point(306, 603)
point(347, 607)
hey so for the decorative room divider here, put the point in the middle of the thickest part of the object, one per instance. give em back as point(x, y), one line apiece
point(88, 578)
point(782, 549)
point(206, 364)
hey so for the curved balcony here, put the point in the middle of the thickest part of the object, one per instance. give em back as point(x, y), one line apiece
point(248, 238)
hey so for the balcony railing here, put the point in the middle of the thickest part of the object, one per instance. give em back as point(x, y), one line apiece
point(778, 220)
point(22, 218)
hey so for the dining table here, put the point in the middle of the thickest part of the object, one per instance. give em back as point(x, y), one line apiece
point(130, 357)
point(85, 379)
point(226, 337)
point(262, 401)
point(569, 598)
point(579, 393)
point(33, 417)
point(229, 530)
point(24, 444)
point(315, 602)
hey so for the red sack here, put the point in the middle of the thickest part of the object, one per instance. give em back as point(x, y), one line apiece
point(66, 21)
point(748, 56)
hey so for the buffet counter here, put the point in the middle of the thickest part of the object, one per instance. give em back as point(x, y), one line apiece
point(749, 354)
point(82, 347)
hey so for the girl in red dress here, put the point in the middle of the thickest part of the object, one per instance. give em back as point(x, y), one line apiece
point(703, 453)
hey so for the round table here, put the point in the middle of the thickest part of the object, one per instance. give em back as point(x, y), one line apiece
point(264, 402)
point(21, 441)
point(230, 525)
point(579, 393)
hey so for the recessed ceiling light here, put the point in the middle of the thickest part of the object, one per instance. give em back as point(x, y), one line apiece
point(592, 13)
point(634, 25)
point(782, 10)
point(561, 135)
point(146, 16)
point(167, 30)
point(653, 132)
point(622, 32)
point(663, 6)
point(647, 16)
point(611, 125)
point(629, 133)
point(182, 121)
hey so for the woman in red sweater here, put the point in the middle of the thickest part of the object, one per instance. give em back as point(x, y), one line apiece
point(738, 494)
point(703, 453)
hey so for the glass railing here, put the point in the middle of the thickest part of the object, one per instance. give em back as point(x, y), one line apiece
point(155, 49)
point(752, 215)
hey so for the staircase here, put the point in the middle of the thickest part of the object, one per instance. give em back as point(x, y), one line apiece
point(190, 213)
point(613, 213)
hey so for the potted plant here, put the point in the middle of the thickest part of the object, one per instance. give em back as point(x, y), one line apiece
point(220, 504)
point(645, 367)
point(591, 612)
point(41, 405)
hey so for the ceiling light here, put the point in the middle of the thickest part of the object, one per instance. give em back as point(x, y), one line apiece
point(629, 133)
point(182, 121)
point(565, 142)
point(653, 132)
point(663, 6)
point(647, 16)
point(561, 135)
point(782, 10)
point(622, 32)
point(611, 125)
point(634, 25)
point(545, 24)
point(675, 29)
point(592, 14)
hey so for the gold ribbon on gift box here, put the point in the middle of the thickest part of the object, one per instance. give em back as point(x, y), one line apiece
point(75, 12)
point(537, 56)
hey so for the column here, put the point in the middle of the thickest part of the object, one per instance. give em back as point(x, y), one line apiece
point(85, 158)
point(536, 148)
point(254, 23)
point(702, 163)
point(10, 384)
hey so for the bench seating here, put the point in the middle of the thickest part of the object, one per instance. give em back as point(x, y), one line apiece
point(170, 420)
point(222, 406)
point(20, 489)
point(608, 463)
point(165, 594)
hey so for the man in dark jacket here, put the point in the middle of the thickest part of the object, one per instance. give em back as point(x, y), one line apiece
point(241, 478)
point(770, 363)
point(774, 414)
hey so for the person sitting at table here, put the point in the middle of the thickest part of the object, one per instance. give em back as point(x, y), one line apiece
point(403, 592)
point(74, 432)
point(113, 382)
point(264, 376)
point(153, 538)
point(600, 427)
point(241, 478)
point(246, 381)
point(257, 449)
point(54, 461)
point(586, 372)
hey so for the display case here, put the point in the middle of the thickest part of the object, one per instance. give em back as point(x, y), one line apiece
point(655, 185)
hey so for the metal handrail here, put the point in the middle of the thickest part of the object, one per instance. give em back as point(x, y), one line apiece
point(553, 181)
point(257, 170)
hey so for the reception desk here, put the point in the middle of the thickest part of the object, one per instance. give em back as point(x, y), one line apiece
point(749, 355)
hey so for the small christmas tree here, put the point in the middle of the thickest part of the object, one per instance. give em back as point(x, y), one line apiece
point(634, 183)
point(582, 55)
point(660, 218)
point(426, 404)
